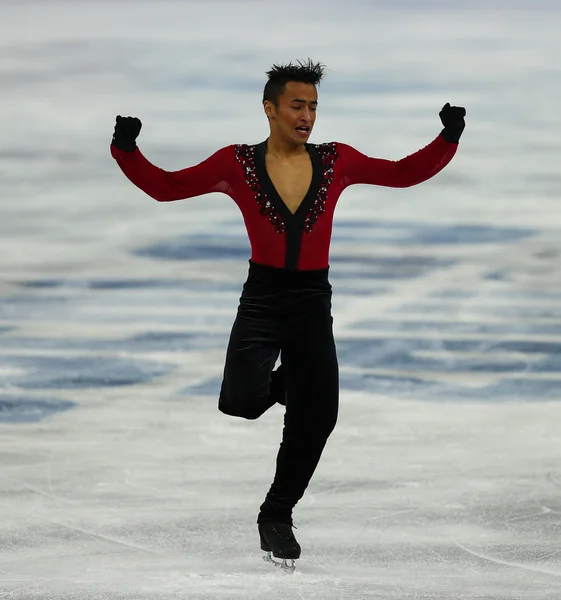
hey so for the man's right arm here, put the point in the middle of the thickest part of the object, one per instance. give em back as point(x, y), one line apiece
point(211, 175)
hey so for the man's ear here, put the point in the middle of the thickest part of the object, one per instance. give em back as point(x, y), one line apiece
point(269, 109)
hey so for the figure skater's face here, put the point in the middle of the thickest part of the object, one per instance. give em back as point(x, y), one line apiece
point(294, 117)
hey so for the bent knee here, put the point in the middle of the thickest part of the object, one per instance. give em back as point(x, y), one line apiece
point(237, 411)
point(239, 408)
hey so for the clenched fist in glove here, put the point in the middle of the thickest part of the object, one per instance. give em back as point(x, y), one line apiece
point(452, 118)
point(126, 132)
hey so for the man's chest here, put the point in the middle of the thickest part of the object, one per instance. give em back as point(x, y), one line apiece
point(291, 181)
point(291, 199)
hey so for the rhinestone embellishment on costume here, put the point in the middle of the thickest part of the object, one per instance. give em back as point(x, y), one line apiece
point(246, 157)
point(328, 155)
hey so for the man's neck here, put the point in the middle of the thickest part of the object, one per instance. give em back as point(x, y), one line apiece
point(285, 150)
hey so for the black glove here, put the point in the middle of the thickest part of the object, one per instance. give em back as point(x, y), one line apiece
point(126, 132)
point(452, 118)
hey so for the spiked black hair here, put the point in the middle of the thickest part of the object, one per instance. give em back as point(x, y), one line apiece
point(280, 75)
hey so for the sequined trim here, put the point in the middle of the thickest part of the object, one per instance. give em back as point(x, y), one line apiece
point(246, 157)
point(328, 155)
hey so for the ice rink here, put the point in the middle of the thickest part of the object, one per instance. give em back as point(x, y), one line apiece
point(119, 478)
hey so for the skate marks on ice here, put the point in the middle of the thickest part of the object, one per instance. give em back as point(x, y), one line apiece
point(462, 333)
point(48, 374)
point(76, 334)
point(17, 408)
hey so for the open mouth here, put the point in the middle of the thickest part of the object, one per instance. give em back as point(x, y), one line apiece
point(303, 131)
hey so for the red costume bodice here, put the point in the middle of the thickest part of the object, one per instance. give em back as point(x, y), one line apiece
point(278, 238)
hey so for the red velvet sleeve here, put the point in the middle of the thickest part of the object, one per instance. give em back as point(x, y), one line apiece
point(413, 169)
point(211, 175)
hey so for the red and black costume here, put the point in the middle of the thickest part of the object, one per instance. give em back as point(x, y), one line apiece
point(285, 306)
point(279, 238)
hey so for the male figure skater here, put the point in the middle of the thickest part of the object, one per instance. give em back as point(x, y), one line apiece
point(286, 189)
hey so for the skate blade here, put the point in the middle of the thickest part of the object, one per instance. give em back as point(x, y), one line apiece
point(287, 565)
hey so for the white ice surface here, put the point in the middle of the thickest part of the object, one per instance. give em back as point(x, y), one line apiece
point(119, 479)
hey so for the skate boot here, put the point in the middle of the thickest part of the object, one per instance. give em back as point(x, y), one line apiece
point(278, 540)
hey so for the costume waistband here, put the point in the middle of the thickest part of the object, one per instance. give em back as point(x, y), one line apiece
point(286, 278)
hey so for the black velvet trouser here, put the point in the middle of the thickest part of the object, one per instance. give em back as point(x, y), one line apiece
point(287, 313)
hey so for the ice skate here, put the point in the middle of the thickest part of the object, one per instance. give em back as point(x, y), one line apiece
point(278, 541)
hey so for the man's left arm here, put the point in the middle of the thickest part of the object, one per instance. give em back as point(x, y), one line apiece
point(413, 169)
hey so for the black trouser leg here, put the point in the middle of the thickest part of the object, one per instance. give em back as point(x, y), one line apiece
point(250, 358)
point(311, 376)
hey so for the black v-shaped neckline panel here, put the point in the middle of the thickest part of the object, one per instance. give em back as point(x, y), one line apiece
point(296, 219)
point(294, 223)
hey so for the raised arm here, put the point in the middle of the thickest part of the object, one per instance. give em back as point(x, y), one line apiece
point(413, 169)
point(211, 175)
